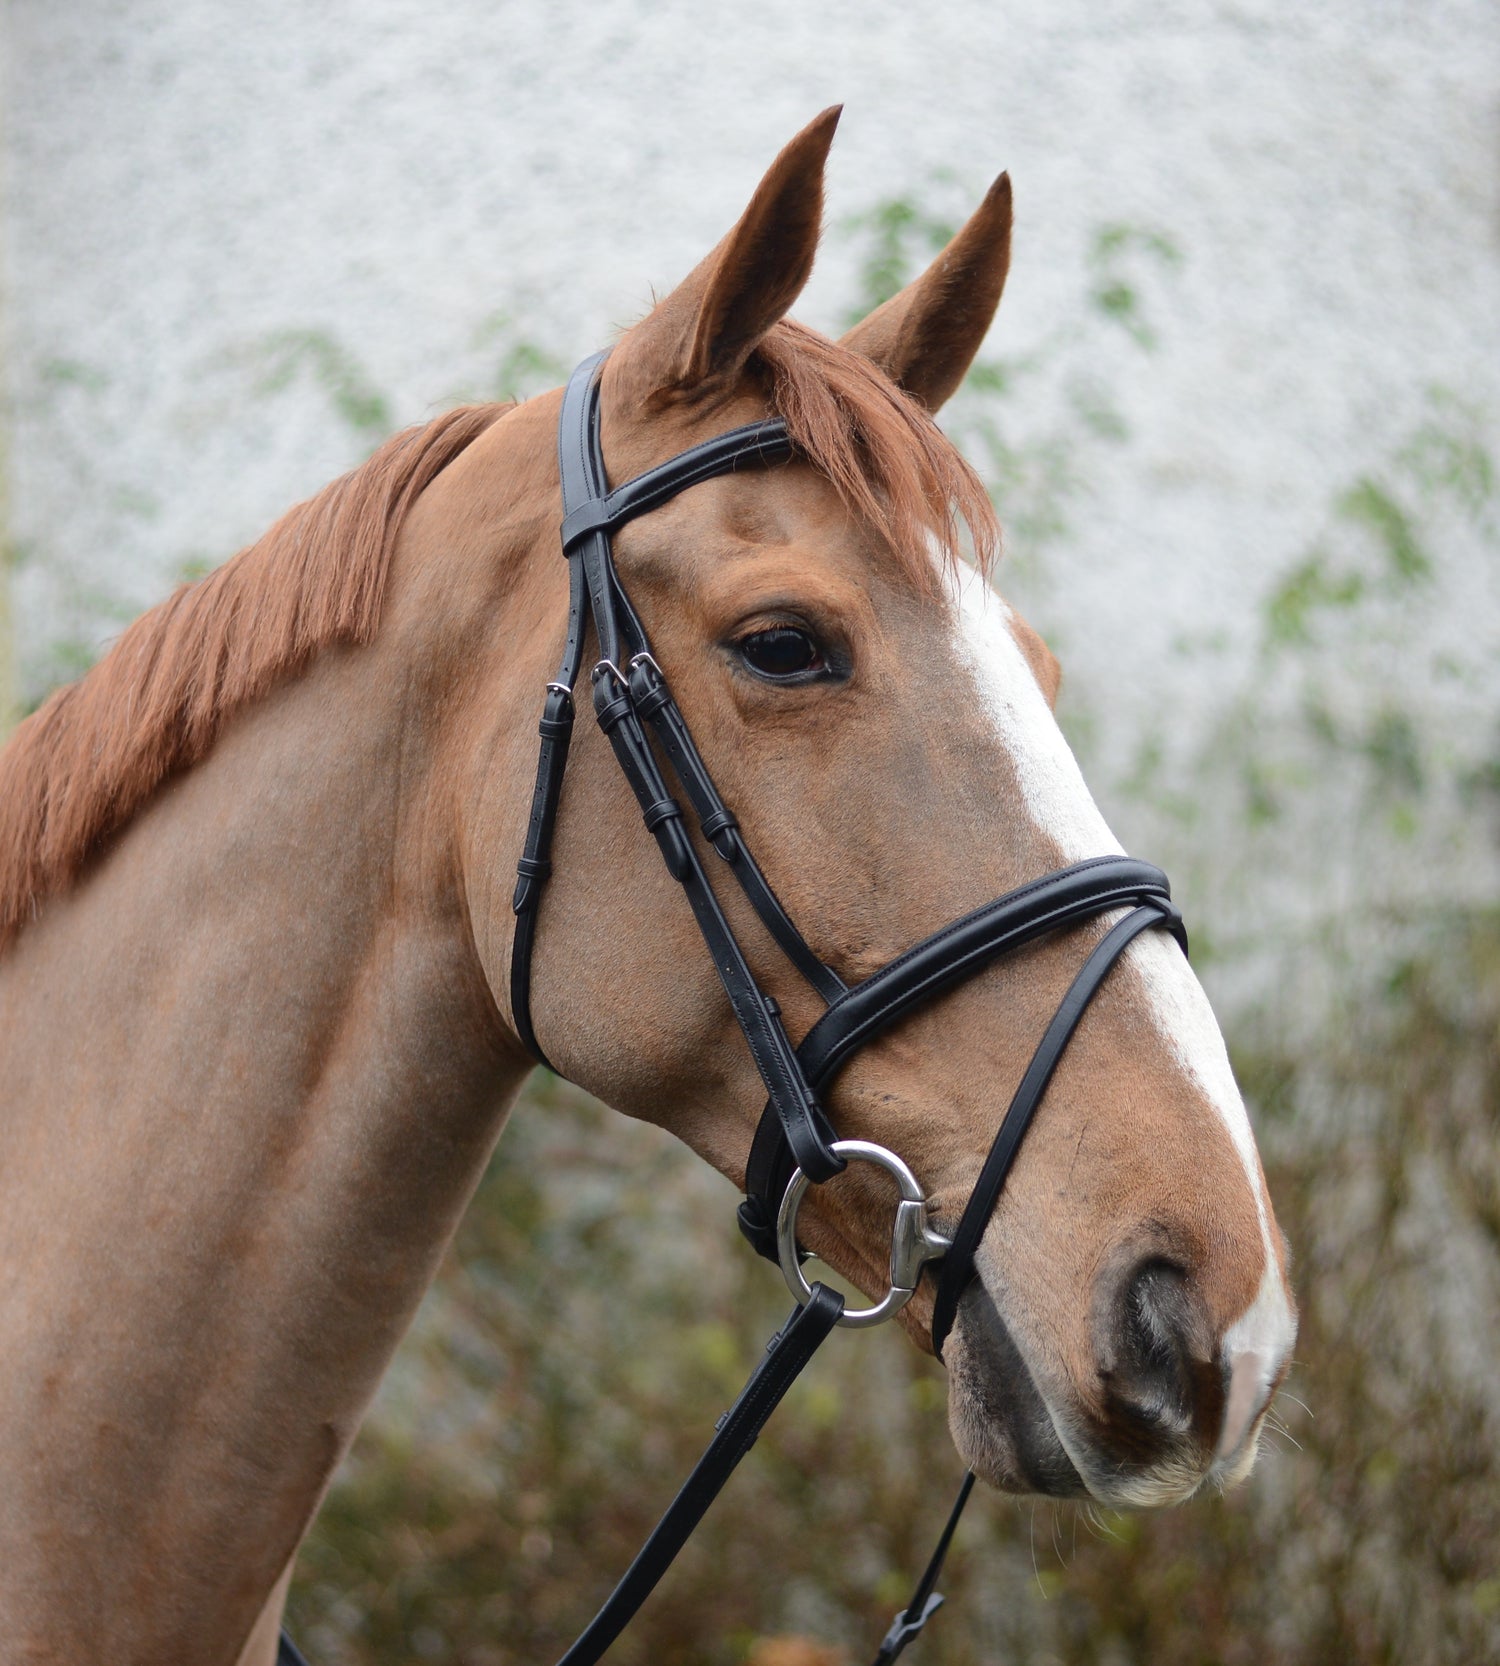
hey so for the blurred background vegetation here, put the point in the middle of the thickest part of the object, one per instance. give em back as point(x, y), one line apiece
point(598, 1309)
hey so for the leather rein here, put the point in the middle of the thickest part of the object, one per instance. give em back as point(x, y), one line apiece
point(795, 1145)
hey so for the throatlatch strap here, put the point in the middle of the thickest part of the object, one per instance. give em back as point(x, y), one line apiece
point(786, 1356)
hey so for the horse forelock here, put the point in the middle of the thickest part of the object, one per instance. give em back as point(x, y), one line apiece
point(884, 455)
point(79, 769)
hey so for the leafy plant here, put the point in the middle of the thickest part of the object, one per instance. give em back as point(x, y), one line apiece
point(284, 355)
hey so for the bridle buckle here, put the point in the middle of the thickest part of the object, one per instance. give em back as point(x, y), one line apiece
point(914, 1239)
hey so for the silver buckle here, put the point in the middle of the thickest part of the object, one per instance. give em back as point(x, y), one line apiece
point(613, 669)
point(914, 1241)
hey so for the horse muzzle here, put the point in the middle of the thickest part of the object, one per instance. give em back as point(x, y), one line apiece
point(1160, 1407)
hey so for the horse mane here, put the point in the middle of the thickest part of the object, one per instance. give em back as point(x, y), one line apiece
point(77, 770)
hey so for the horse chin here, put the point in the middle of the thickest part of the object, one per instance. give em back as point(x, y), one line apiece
point(1000, 1422)
point(1008, 1433)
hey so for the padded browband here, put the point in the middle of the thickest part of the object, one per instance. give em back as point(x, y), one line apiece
point(759, 443)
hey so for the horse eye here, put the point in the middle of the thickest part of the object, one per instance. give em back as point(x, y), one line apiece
point(783, 651)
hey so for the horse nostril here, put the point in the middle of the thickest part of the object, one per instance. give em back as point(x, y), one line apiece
point(1156, 1354)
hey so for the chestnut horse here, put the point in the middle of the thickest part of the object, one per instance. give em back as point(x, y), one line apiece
point(256, 1043)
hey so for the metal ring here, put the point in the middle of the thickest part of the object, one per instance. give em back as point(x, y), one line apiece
point(914, 1242)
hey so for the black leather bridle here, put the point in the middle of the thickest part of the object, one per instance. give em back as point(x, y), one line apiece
point(795, 1144)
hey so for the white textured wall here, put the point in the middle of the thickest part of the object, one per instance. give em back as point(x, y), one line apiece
point(185, 178)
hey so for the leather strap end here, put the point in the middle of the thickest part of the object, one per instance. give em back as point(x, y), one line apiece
point(904, 1631)
point(757, 1229)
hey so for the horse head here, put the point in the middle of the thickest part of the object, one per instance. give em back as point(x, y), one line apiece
point(881, 724)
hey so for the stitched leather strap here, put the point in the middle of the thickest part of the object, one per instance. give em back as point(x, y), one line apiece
point(653, 700)
point(958, 1264)
point(786, 1355)
point(535, 864)
point(556, 728)
point(956, 952)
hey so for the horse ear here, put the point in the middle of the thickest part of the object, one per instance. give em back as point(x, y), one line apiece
point(707, 327)
point(926, 337)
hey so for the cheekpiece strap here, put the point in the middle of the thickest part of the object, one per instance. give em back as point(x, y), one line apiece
point(951, 955)
point(628, 690)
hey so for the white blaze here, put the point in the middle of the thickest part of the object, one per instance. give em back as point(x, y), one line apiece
point(1060, 806)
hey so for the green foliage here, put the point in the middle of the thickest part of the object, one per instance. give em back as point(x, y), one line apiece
point(1029, 422)
point(1121, 259)
point(522, 368)
point(1360, 741)
point(1307, 590)
point(284, 355)
point(1446, 455)
point(73, 373)
point(1370, 505)
point(1373, 546)
point(899, 235)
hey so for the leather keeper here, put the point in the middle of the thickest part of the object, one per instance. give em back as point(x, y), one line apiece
point(593, 516)
point(611, 708)
point(664, 809)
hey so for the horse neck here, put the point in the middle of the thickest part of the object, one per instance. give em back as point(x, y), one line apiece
point(252, 1071)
